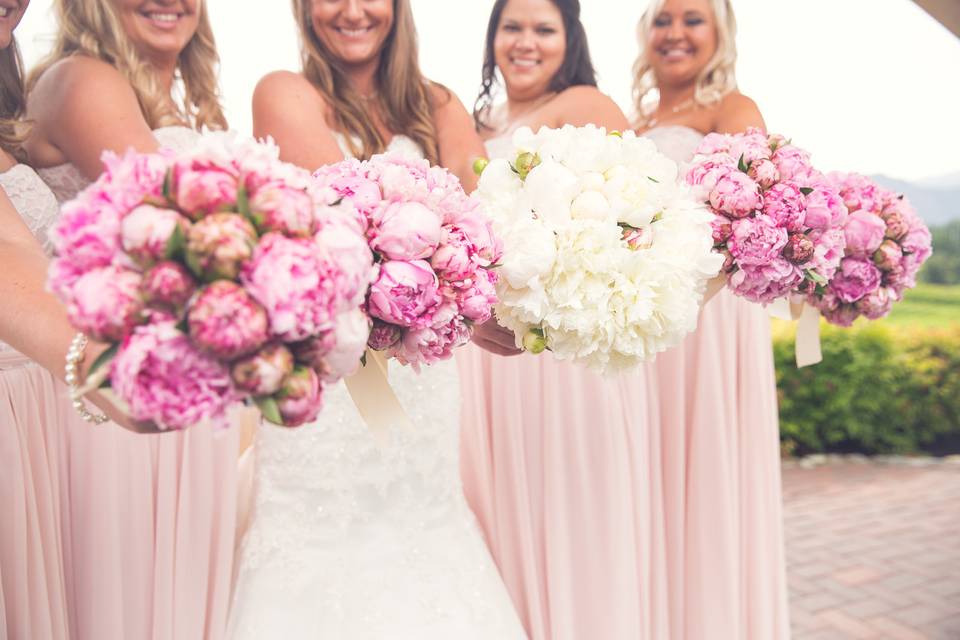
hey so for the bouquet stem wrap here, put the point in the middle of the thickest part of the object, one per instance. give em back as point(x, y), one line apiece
point(375, 399)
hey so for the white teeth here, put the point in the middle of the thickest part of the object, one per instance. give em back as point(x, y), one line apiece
point(353, 32)
point(163, 17)
point(4, 12)
point(525, 63)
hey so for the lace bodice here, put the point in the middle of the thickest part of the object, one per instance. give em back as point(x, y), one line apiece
point(499, 147)
point(66, 181)
point(677, 142)
point(38, 208)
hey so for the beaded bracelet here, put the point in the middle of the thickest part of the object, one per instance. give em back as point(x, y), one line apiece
point(72, 377)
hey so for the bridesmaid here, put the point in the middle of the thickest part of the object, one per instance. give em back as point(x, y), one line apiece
point(148, 521)
point(721, 455)
point(557, 461)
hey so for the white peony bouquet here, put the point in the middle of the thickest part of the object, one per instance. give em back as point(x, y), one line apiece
point(606, 257)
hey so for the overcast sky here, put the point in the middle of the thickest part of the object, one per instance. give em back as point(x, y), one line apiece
point(866, 85)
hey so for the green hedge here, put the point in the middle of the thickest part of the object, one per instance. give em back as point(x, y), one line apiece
point(881, 389)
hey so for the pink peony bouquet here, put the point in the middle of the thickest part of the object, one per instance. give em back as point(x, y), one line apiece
point(886, 244)
point(220, 275)
point(434, 251)
point(778, 221)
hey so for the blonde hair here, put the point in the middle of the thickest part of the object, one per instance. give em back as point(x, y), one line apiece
point(92, 28)
point(716, 80)
point(402, 91)
point(13, 130)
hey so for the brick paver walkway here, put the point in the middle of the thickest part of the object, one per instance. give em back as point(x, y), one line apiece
point(873, 551)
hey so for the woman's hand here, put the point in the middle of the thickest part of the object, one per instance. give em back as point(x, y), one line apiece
point(104, 403)
point(492, 337)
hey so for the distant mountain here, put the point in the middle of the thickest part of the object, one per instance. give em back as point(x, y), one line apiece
point(937, 201)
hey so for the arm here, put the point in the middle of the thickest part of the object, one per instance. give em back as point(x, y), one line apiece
point(582, 105)
point(288, 109)
point(458, 140)
point(736, 114)
point(82, 107)
point(32, 321)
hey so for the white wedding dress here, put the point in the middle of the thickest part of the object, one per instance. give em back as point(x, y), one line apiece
point(353, 540)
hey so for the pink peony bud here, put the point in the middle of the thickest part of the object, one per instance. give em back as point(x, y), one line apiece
point(799, 249)
point(226, 322)
point(168, 285)
point(637, 239)
point(263, 373)
point(785, 204)
point(897, 225)
point(300, 399)
point(876, 304)
point(383, 336)
point(888, 256)
point(219, 244)
point(857, 277)
point(757, 241)
point(864, 232)
point(722, 229)
point(150, 234)
point(736, 195)
point(201, 191)
point(277, 207)
point(791, 161)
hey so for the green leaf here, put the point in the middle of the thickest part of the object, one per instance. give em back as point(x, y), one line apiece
point(652, 179)
point(806, 190)
point(363, 359)
point(816, 277)
point(743, 166)
point(243, 203)
point(168, 186)
point(270, 409)
point(183, 326)
point(176, 244)
point(193, 263)
point(104, 358)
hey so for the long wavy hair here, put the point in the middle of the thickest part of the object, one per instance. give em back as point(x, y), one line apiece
point(403, 94)
point(716, 80)
point(92, 28)
point(576, 69)
point(13, 130)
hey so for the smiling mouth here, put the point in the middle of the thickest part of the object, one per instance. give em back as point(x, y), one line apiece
point(161, 17)
point(525, 63)
point(5, 11)
point(354, 33)
point(675, 53)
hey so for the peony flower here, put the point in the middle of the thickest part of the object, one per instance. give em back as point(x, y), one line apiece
point(876, 304)
point(405, 231)
point(300, 399)
point(857, 277)
point(766, 282)
point(432, 344)
point(164, 379)
point(864, 232)
point(106, 303)
point(476, 302)
point(336, 353)
point(455, 259)
point(756, 241)
point(722, 229)
point(764, 173)
point(300, 288)
point(799, 249)
point(888, 255)
point(278, 207)
point(167, 285)
point(383, 336)
point(824, 207)
point(263, 373)
point(791, 161)
point(226, 322)
point(785, 204)
point(736, 195)
point(218, 245)
point(405, 293)
point(149, 234)
point(86, 236)
point(200, 190)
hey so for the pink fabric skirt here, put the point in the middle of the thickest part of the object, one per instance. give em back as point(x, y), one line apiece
point(721, 478)
point(143, 526)
point(559, 464)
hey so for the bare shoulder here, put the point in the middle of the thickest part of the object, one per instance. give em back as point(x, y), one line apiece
point(76, 80)
point(448, 111)
point(582, 105)
point(283, 87)
point(737, 112)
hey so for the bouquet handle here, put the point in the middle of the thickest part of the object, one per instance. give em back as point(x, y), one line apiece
point(375, 399)
point(808, 350)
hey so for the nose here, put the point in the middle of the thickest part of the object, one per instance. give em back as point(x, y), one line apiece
point(526, 41)
point(675, 32)
point(353, 10)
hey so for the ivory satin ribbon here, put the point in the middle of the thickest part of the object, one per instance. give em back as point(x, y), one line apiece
point(375, 399)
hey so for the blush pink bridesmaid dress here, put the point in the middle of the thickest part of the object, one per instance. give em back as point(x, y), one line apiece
point(721, 466)
point(560, 464)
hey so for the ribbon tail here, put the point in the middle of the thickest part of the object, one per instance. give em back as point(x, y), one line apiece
point(808, 350)
point(375, 399)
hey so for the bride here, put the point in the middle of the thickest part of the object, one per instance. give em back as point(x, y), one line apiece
point(348, 538)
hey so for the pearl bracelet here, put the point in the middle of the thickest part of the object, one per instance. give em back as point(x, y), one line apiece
point(72, 377)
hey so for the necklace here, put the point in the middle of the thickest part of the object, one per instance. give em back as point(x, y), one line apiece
point(683, 106)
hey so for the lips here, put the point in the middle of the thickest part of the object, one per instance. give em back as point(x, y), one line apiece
point(524, 63)
point(675, 53)
point(354, 32)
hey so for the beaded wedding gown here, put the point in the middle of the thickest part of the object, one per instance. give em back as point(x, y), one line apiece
point(354, 540)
